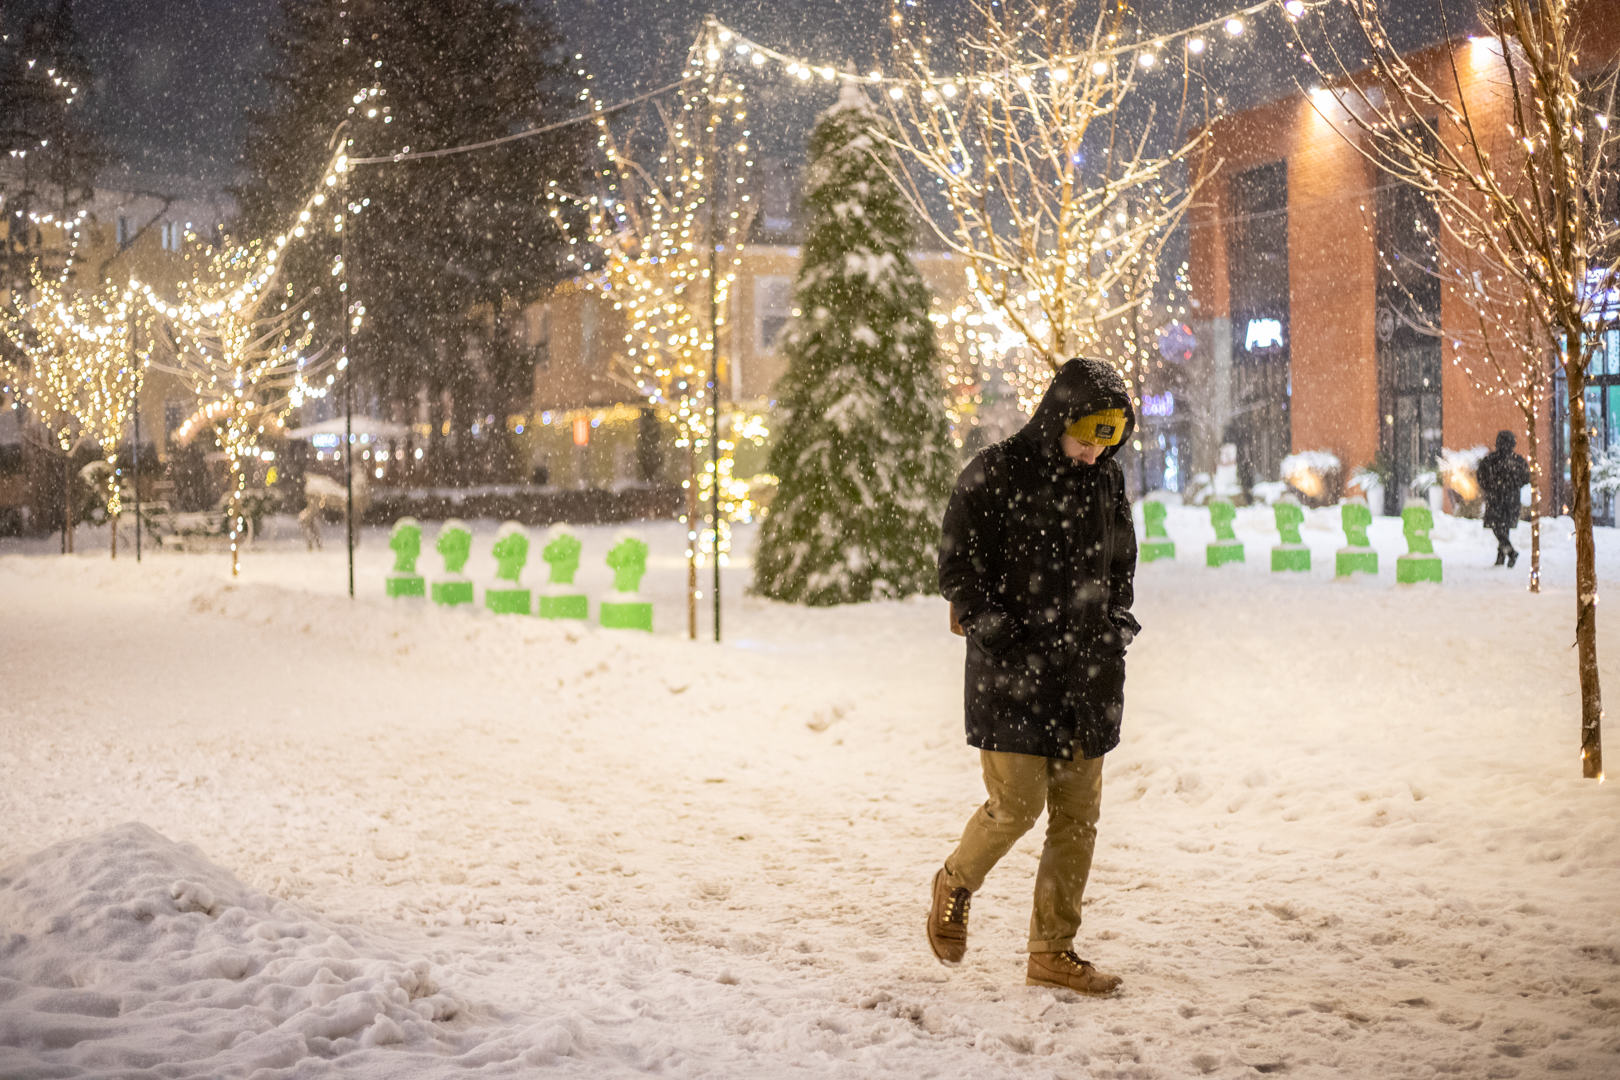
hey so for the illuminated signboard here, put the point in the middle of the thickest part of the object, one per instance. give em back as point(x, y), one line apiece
point(1263, 334)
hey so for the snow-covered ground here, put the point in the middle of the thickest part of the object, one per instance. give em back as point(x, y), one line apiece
point(252, 828)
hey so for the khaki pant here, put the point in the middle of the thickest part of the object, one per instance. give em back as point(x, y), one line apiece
point(1019, 785)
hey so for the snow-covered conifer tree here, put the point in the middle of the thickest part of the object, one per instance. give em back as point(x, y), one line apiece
point(864, 454)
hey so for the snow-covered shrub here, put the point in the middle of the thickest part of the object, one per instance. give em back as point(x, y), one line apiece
point(1315, 474)
point(1268, 491)
point(1456, 469)
point(1606, 472)
point(1199, 489)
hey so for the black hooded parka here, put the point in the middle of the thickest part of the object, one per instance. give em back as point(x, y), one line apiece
point(1037, 556)
point(1502, 474)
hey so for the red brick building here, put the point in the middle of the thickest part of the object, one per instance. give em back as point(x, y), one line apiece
point(1302, 343)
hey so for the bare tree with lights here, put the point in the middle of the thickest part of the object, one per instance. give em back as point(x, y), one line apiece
point(1526, 178)
point(77, 375)
point(1024, 163)
point(238, 338)
point(660, 242)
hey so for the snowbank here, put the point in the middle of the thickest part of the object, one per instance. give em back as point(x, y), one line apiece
point(1343, 836)
point(126, 951)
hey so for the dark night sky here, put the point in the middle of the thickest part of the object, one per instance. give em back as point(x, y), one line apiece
point(175, 77)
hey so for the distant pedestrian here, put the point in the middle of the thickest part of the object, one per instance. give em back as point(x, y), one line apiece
point(1502, 474)
point(1037, 558)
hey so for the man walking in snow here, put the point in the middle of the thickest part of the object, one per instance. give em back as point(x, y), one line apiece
point(1037, 557)
point(1502, 474)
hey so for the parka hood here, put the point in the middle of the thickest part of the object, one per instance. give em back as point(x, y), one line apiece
point(1082, 386)
point(1506, 441)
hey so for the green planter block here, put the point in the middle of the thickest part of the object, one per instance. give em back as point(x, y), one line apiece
point(627, 611)
point(558, 600)
point(1156, 543)
point(406, 540)
point(1227, 548)
point(1350, 560)
point(454, 544)
point(405, 585)
point(1420, 563)
point(1154, 550)
point(451, 593)
point(509, 601)
point(1291, 554)
point(511, 551)
point(573, 606)
point(1411, 569)
point(1290, 557)
point(635, 615)
point(1357, 557)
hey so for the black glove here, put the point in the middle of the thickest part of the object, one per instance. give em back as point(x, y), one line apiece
point(1125, 625)
point(996, 632)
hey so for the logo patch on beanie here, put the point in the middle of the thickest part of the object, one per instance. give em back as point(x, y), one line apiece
point(1104, 428)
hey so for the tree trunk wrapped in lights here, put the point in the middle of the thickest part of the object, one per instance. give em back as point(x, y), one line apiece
point(1018, 162)
point(864, 455)
point(238, 338)
point(1527, 178)
point(78, 375)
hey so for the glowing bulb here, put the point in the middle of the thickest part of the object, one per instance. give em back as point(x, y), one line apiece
point(1100, 67)
point(1294, 8)
point(1195, 45)
point(1234, 27)
point(1145, 59)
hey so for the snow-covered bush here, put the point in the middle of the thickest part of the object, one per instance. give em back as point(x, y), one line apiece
point(1606, 472)
point(1314, 474)
point(1456, 470)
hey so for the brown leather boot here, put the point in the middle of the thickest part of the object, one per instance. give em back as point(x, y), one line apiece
point(947, 921)
point(1068, 971)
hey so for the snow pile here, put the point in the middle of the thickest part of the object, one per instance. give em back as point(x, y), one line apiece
point(125, 950)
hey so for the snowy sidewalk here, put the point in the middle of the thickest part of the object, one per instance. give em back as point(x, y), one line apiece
point(1344, 835)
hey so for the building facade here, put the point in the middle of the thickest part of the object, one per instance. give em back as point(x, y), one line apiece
point(1318, 307)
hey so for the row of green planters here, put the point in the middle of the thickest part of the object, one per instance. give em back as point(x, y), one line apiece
point(559, 598)
point(1420, 563)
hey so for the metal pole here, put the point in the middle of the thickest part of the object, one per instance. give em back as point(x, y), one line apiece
point(134, 351)
point(137, 477)
point(348, 381)
point(714, 361)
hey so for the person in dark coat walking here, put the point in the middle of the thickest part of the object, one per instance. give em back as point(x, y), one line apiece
point(1037, 556)
point(1502, 474)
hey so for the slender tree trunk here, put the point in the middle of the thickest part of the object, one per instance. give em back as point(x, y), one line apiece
point(1531, 444)
point(691, 535)
point(67, 503)
point(1580, 480)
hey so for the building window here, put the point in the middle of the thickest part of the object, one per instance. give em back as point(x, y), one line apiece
point(777, 195)
point(174, 414)
point(540, 337)
point(1261, 428)
point(1406, 323)
point(773, 306)
point(170, 235)
point(125, 233)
